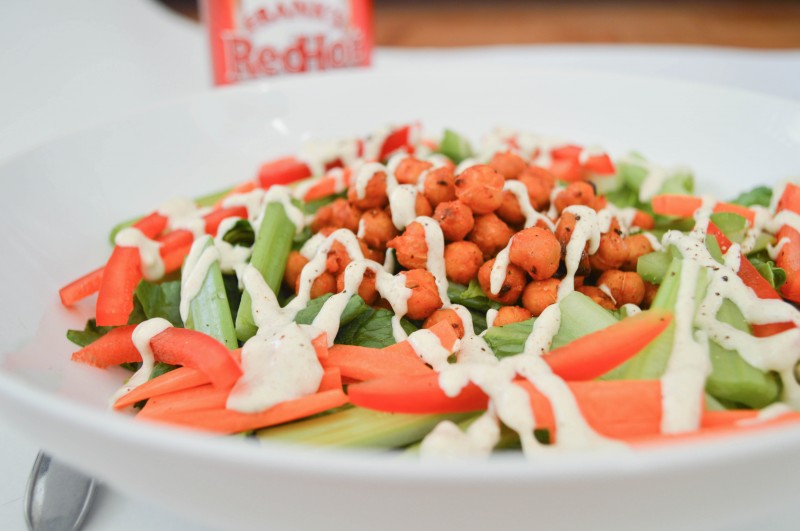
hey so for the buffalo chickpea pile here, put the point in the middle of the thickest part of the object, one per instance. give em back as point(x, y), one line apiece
point(478, 219)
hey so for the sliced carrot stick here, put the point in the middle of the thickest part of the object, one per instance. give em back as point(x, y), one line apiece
point(82, 287)
point(175, 380)
point(790, 199)
point(220, 420)
point(415, 394)
point(684, 206)
point(766, 330)
point(320, 344)
point(114, 348)
point(215, 217)
point(331, 379)
point(597, 353)
point(121, 275)
point(364, 363)
point(443, 330)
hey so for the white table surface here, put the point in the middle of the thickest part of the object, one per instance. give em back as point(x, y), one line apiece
point(69, 65)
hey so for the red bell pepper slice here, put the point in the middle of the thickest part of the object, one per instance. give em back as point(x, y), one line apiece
point(181, 346)
point(215, 217)
point(121, 275)
point(398, 139)
point(152, 225)
point(282, 171)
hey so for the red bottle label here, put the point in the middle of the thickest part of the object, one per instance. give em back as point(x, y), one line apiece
point(256, 38)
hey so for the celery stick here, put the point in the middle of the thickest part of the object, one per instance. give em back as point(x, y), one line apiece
point(209, 311)
point(455, 147)
point(270, 252)
point(732, 379)
point(359, 428)
point(733, 226)
point(652, 266)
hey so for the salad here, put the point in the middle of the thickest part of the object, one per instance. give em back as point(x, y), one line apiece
point(399, 292)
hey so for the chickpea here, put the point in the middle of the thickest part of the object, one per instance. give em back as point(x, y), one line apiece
point(565, 228)
point(508, 164)
point(540, 183)
point(294, 266)
point(576, 193)
point(536, 251)
point(440, 186)
point(375, 193)
point(613, 250)
point(643, 220)
point(411, 248)
point(597, 295)
point(376, 228)
point(422, 207)
point(650, 291)
point(511, 314)
point(455, 219)
point(340, 215)
point(409, 170)
point(511, 288)
point(424, 298)
point(323, 284)
point(540, 294)
point(600, 202)
point(462, 260)
point(509, 210)
point(480, 188)
point(367, 290)
point(490, 234)
point(638, 245)
point(626, 287)
point(448, 316)
point(338, 258)
point(371, 254)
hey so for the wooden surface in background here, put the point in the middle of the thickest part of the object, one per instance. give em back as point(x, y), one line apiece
point(749, 24)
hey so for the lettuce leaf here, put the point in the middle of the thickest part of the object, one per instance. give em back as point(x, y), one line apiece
point(90, 333)
point(160, 300)
point(760, 195)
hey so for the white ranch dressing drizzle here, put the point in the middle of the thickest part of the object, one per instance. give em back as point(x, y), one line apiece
point(277, 365)
point(403, 203)
point(500, 268)
point(201, 257)
point(429, 348)
point(532, 217)
point(447, 441)
point(689, 363)
point(149, 251)
point(771, 412)
point(552, 212)
point(365, 173)
point(624, 217)
point(232, 258)
point(631, 309)
point(784, 217)
point(466, 164)
point(762, 216)
point(605, 289)
point(141, 337)
point(655, 243)
point(183, 213)
point(317, 154)
point(491, 315)
point(655, 178)
point(252, 201)
point(775, 250)
point(587, 230)
point(434, 240)
point(391, 287)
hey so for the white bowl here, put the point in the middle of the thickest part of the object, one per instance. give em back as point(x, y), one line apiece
point(59, 201)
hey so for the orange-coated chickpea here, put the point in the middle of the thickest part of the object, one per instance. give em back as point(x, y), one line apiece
point(540, 294)
point(490, 234)
point(367, 290)
point(536, 251)
point(409, 170)
point(511, 314)
point(512, 285)
point(613, 250)
point(565, 228)
point(294, 266)
point(340, 215)
point(480, 188)
point(411, 248)
point(540, 183)
point(508, 164)
point(509, 210)
point(643, 220)
point(650, 291)
point(376, 228)
point(576, 193)
point(638, 245)
point(455, 219)
point(462, 260)
point(597, 295)
point(422, 207)
point(448, 316)
point(440, 186)
point(424, 299)
point(626, 287)
point(325, 283)
point(375, 193)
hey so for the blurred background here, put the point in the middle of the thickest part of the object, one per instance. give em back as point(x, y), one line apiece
point(420, 23)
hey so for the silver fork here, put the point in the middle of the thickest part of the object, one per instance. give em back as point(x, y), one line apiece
point(57, 497)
